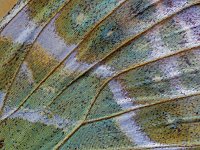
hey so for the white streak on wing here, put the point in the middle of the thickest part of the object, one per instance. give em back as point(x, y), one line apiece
point(171, 70)
point(104, 71)
point(159, 47)
point(119, 96)
point(126, 122)
point(188, 20)
point(27, 72)
point(163, 10)
point(53, 43)
point(135, 29)
point(2, 95)
point(133, 131)
point(21, 29)
point(37, 116)
point(157, 44)
point(170, 67)
point(72, 65)
point(26, 34)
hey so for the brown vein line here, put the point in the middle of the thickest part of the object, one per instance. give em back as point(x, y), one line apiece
point(12, 82)
point(14, 56)
point(183, 121)
point(31, 45)
point(13, 16)
point(10, 60)
point(142, 107)
point(165, 79)
point(123, 44)
point(119, 47)
point(176, 121)
point(59, 145)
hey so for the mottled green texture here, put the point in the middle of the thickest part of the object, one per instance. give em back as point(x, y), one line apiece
point(10, 56)
point(20, 134)
point(112, 32)
point(41, 10)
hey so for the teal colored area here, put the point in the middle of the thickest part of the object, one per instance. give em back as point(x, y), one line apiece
point(41, 10)
point(80, 16)
point(100, 135)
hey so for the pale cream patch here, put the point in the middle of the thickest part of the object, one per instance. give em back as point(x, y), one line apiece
point(80, 18)
point(109, 33)
point(157, 78)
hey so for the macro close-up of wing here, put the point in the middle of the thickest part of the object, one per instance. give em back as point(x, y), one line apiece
point(99, 74)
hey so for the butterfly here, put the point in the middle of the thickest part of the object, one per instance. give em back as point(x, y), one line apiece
point(99, 74)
